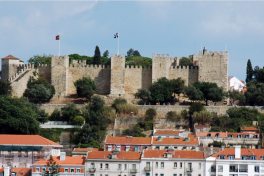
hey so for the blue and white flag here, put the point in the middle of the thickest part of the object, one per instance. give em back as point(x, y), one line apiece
point(116, 35)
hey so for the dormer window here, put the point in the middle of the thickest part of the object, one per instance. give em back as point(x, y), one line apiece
point(255, 136)
point(217, 135)
point(109, 148)
point(239, 136)
point(262, 157)
point(127, 148)
point(118, 147)
point(184, 148)
point(175, 148)
point(253, 157)
point(221, 157)
point(209, 134)
point(231, 157)
point(193, 148)
point(157, 147)
point(244, 157)
point(166, 148)
point(247, 136)
point(231, 135)
point(159, 138)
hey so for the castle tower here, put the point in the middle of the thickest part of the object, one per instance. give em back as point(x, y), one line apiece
point(160, 67)
point(9, 66)
point(213, 67)
point(59, 75)
point(117, 86)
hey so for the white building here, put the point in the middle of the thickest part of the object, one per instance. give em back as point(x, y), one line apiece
point(68, 166)
point(236, 84)
point(22, 151)
point(236, 162)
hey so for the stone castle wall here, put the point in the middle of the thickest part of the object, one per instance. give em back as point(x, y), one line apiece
point(44, 71)
point(188, 74)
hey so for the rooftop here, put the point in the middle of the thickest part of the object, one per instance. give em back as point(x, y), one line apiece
point(176, 154)
point(178, 141)
point(10, 139)
point(68, 161)
point(20, 171)
point(231, 151)
point(12, 57)
point(128, 140)
point(120, 155)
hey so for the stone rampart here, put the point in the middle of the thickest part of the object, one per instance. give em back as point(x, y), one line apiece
point(188, 74)
point(44, 71)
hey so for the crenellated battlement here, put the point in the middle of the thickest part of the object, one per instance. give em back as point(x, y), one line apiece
point(137, 67)
point(185, 67)
point(212, 54)
point(78, 66)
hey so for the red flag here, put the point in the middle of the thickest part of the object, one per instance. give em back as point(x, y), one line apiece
point(58, 37)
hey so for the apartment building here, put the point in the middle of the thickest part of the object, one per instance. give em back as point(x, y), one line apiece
point(21, 151)
point(68, 166)
point(236, 162)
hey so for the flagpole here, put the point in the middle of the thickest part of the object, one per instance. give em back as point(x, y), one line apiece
point(59, 44)
point(118, 44)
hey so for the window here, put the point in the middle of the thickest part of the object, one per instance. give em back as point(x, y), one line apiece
point(109, 147)
point(101, 165)
point(180, 165)
point(175, 165)
point(156, 174)
point(189, 174)
point(193, 148)
point(221, 157)
point(220, 168)
point(157, 164)
point(213, 169)
point(175, 148)
point(119, 166)
point(262, 157)
point(230, 135)
point(253, 157)
point(239, 136)
point(125, 166)
point(161, 174)
point(162, 165)
point(174, 174)
point(184, 148)
point(244, 157)
point(256, 146)
point(106, 174)
point(166, 148)
point(127, 148)
point(209, 134)
point(199, 175)
point(118, 147)
point(157, 147)
point(199, 165)
point(231, 157)
point(180, 174)
point(189, 167)
point(26, 154)
point(44, 169)
point(37, 169)
point(65, 170)
point(72, 170)
point(13, 174)
point(106, 166)
point(136, 149)
point(256, 169)
point(78, 170)
point(247, 136)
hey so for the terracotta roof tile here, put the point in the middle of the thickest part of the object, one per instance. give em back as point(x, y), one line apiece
point(2, 170)
point(180, 141)
point(11, 139)
point(10, 57)
point(168, 132)
point(125, 140)
point(68, 161)
point(177, 154)
point(250, 129)
point(121, 155)
point(248, 152)
point(22, 171)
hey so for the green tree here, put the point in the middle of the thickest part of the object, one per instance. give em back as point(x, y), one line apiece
point(135, 132)
point(177, 85)
point(235, 95)
point(78, 120)
point(136, 53)
point(202, 117)
point(161, 90)
point(69, 111)
point(5, 87)
point(143, 94)
point(259, 74)
point(249, 71)
point(105, 61)
point(53, 168)
point(196, 107)
point(255, 93)
point(55, 116)
point(172, 115)
point(38, 59)
point(106, 53)
point(130, 52)
point(185, 62)
point(216, 144)
point(97, 56)
point(138, 61)
point(119, 101)
point(261, 123)
point(85, 87)
point(215, 129)
point(150, 114)
point(216, 94)
point(17, 116)
point(193, 93)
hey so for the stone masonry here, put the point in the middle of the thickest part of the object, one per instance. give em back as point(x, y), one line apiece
point(118, 79)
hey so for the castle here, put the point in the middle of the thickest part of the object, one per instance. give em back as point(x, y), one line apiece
point(118, 79)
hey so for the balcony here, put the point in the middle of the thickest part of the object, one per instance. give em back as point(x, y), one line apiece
point(9, 156)
point(233, 170)
point(92, 170)
point(243, 170)
point(133, 170)
point(189, 169)
point(147, 169)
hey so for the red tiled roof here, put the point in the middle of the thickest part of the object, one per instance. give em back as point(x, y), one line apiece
point(222, 134)
point(248, 152)
point(242, 81)
point(250, 129)
point(10, 139)
point(168, 132)
point(68, 161)
point(180, 141)
point(177, 154)
point(121, 155)
point(125, 140)
point(2, 169)
point(22, 171)
point(10, 57)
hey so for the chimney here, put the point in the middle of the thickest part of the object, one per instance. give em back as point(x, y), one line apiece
point(6, 171)
point(204, 50)
point(237, 151)
point(62, 156)
point(212, 151)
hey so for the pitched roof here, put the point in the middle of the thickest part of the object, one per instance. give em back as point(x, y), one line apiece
point(248, 152)
point(222, 134)
point(69, 160)
point(10, 57)
point(121, 155)
point(126, 140)
point(22, 171)
point(176, 154)
point(11, 139)
point(167, 132)
point(180, 141)
point(250, 129)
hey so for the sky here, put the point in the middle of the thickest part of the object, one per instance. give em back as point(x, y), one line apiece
point(176, 28)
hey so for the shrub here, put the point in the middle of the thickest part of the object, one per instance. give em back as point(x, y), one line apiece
point(147, 125)
point(69, 111)
point(202, 117)
point(150, 114)
point(119, 101)
point(196, 107)
point(78, 120)
point(108, 112)
point(127, 109)
point(216, 144)
point(94, 144)
point(85, 87)
point(172, 115)
point(135, 132)
point(55, 116)
point(215, 129)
